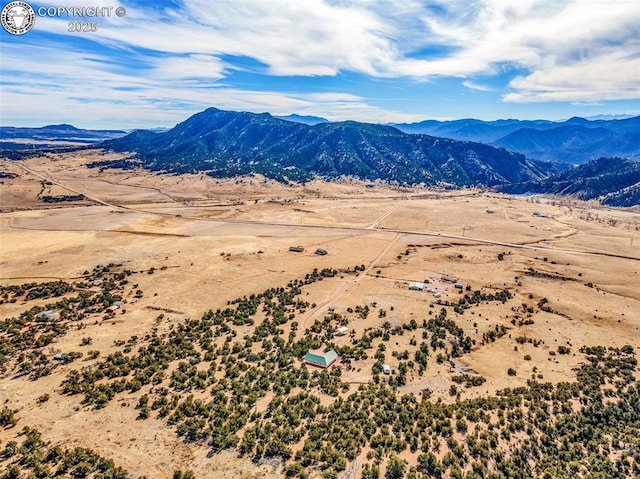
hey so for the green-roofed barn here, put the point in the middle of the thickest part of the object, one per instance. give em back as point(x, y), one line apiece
point(321, 359)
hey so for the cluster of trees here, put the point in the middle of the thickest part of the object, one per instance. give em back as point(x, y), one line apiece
point(31, 291)
point(313, 421)
point(469, 380)
point(8, 417)
point(21, 346)
point(476, 298)
point(60, 198)
point(210, 379)
point(24, 338)
point(35, 458)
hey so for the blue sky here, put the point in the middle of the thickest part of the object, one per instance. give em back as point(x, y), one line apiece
point(376, 61)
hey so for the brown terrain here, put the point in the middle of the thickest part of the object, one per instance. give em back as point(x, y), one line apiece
point(209, 241)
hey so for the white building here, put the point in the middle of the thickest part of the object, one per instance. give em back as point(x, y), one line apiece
point(342, 331)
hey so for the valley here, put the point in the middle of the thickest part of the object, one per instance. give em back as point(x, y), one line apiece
point(540, 284)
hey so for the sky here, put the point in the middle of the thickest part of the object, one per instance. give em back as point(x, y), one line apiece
point(373, 61)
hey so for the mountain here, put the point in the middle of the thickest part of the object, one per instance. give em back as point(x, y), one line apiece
point(612, 181)
point(576, 140)
point(227, 143)
point(304, 119)
point(470, 129)
point(57, 133)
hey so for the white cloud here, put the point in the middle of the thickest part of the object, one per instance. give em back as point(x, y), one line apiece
point(612, 76)
point(475, 86)
point(101, 96)
point(188, 67)
point(565, 51)
point(477, 37)
point(580, 50)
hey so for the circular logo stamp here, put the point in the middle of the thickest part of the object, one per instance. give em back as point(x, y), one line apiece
point(18, 18)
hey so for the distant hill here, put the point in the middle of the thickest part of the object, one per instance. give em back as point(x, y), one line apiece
point(612, 181)
point(63, 132)
point(306, 120)
point(576, 140)
point(227, 143)
point(470, 129)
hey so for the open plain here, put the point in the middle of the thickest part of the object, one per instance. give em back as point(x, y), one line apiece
point(193, 243)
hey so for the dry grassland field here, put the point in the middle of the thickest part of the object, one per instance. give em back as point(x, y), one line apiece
point(552, 276)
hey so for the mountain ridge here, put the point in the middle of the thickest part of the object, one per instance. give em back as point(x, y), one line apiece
point(225, 143)
point(59, 132)
point(611, 181)
point(543, 139)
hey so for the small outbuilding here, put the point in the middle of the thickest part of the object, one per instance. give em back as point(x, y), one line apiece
point(415, 286)
point(321, 252)
point(296, 249)
point(321, 359)
point(449, 278)
point(342, 331)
